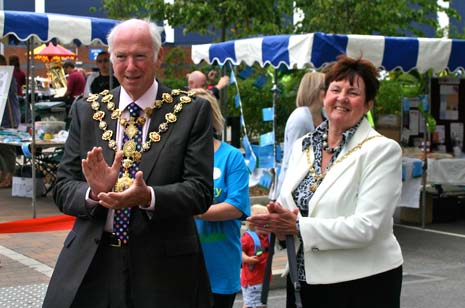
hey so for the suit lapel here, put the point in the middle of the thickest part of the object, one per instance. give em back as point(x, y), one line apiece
point(150, 157)
point(108, 154)
point(295, 174)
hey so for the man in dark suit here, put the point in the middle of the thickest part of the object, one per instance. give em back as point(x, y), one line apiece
point(157, 261)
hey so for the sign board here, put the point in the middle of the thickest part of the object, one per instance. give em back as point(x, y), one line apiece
point(93, 53)
point(6, 73)
point(448, 108)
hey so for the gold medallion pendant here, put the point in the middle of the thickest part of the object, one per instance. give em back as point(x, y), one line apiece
point(131, 130)
point(129, 148)
point(123, 182)
point(313, 187)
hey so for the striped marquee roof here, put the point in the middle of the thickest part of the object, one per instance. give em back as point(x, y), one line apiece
point(317, 49)
point(20, 26)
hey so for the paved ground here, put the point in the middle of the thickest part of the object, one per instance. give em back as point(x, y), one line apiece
point(434, 268)
point(27, 259)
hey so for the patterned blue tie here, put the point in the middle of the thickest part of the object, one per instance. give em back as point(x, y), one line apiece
point(121, 217)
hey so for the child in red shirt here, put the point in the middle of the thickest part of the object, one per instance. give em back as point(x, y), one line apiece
point(254, 255)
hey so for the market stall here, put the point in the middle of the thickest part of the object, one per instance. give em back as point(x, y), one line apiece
point(316, 50)
point(53, 55)
point(33, 28)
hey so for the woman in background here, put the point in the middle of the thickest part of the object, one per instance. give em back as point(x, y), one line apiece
point(304, 118)
point(220, 227)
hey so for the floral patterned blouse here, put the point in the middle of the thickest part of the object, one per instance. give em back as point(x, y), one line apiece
point(302, 194)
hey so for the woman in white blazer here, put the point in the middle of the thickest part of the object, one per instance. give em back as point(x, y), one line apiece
point(338, 198)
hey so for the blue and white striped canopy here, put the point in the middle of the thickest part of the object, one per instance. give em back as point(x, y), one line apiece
point(317, 49)
point(46, 26)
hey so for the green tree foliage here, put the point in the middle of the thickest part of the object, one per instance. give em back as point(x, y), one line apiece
point(233, 19)
point(124, 9)
point(236, 19)
point(384, 17)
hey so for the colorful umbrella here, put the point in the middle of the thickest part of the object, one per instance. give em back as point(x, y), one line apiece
point(50, 53)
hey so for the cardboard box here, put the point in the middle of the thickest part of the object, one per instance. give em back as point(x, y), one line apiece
point(439, 209)
point(392, 133)
point(411, 215)
point(22, 187)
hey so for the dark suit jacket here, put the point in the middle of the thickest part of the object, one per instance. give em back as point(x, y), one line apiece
point(167, 268)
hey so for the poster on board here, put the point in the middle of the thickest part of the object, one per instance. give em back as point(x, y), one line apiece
point(6, 73)
point(449, 101)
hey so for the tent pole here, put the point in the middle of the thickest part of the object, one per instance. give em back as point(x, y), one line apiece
point(423, 183)
point(224, 103)
point(27, 102)
point(33, 142)
point(273, 191)
point(425, 157)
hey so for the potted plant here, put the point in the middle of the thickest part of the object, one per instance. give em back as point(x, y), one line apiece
point(388, 103)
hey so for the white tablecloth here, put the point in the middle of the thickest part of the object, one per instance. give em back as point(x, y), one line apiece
point(447, 171)
point(411, 186)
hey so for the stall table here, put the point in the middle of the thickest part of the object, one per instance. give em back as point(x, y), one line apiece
point(445, 192)
point(47, 158)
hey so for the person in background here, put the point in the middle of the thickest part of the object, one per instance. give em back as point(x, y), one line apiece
point(255, 246)
point(19, 75)
point(338, 199)
point(304, 118)
point(11, 119)
point(220, 227)
point(197, 80)
point(102, 81)
point(137, 167)
point(75, 82)
point(89, 79)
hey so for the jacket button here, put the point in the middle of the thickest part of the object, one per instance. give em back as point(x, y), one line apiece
point(314, 249)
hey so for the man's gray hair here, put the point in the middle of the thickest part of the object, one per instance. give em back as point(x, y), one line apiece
point(154, 30)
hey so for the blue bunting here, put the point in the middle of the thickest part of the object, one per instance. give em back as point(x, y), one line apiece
point(245, 73)
point(260, 81)
point(267, 139)
point(265, 180)
point(268, 114)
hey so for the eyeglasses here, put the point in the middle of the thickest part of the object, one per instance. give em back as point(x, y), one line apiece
point(103, 61)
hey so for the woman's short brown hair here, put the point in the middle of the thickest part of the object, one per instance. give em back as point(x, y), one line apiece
point(348, 68)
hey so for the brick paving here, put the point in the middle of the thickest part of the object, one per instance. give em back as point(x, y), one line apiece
point(27, 259)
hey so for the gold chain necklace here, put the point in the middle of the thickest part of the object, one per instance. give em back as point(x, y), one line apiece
point(319, 177)
point(130, 152)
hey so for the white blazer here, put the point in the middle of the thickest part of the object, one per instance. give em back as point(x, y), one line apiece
point(348, 233)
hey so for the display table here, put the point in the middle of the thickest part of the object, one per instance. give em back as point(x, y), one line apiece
point(55, 110)
point(445, 191)
point(46, 160)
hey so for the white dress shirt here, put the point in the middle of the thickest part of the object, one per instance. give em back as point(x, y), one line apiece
point(145, 101)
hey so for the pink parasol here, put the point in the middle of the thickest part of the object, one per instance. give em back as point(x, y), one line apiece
point(50, 52)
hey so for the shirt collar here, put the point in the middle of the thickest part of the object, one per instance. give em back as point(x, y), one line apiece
point(317, 135)
point(145, 101)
